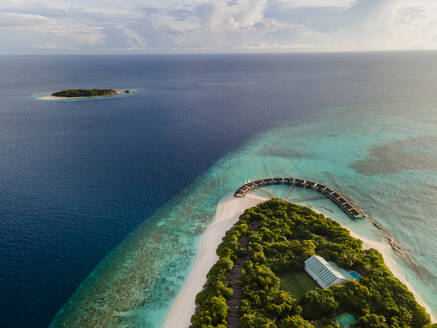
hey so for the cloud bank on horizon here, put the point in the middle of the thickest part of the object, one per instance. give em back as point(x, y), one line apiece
point(187, 26)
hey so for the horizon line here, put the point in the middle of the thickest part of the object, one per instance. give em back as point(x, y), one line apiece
point(222, 53)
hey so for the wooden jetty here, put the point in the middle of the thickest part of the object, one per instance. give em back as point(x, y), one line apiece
point(343, 202)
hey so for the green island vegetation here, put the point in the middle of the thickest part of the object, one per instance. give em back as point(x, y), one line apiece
point(279, 237)
point(72, 93)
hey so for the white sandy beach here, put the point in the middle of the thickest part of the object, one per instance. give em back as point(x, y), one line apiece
point(227, 213)
point(389, 255)
point(57, 98)
point(389, 259)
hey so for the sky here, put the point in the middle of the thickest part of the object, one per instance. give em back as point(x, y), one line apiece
point(215, 26)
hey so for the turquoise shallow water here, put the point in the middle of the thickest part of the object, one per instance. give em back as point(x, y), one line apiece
point(383, 158)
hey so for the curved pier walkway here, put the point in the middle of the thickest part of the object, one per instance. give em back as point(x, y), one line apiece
point(343, 202)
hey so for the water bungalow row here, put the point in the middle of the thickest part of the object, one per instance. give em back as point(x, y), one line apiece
point(343, 202)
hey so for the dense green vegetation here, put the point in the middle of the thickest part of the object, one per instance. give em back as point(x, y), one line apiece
point(70, 93)
point(285, 235)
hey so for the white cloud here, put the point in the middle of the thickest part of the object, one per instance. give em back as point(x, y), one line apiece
point(316, 3)
point(216, 25)
point(414, 24)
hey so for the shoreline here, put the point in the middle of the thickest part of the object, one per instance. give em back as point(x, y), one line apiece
point(389, 256)
point(389, 259)
point(227, 214)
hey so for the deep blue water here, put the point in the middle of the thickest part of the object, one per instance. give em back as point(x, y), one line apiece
point(78, 176)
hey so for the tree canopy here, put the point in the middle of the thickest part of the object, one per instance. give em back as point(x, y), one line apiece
point(280, 237)
point(71, 93)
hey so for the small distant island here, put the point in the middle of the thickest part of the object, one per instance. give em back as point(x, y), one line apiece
point(74, 93)
point(83, 93)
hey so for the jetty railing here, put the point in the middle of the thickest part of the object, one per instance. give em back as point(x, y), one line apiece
point(347, 205)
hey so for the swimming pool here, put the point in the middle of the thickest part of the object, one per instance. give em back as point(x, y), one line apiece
point(355, 275)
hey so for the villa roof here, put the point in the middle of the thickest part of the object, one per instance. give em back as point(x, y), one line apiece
point(323, 270)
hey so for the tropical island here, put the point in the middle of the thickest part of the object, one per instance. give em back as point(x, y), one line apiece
point(283, 265)
point(74, 93)
point(83, 93)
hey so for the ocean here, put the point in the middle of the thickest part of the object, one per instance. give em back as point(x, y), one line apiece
point(104, 200)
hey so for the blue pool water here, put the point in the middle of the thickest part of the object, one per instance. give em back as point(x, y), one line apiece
point(355, 275)
point(103, 201)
